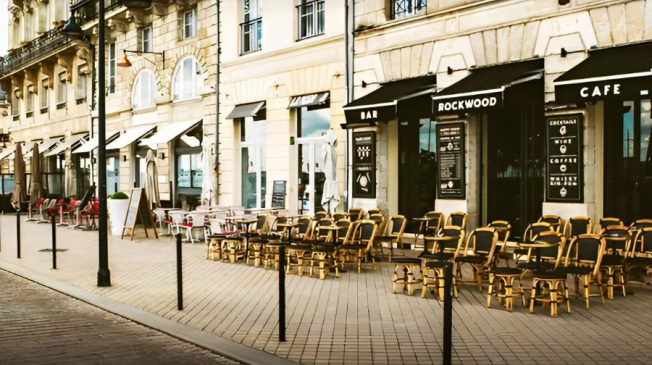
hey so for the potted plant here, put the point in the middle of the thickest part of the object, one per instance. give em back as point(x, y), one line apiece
point(118, 205)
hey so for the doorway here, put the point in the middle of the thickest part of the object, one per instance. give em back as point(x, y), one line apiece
point(512, 145)
point(417, 178)
point(254, 176)
point(311, 175)
point(628, 160)
point(112, 174)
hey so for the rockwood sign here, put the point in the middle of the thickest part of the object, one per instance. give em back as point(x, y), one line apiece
point(467, 104)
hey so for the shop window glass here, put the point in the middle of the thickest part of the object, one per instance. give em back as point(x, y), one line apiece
point(403, 8)
point(112, 175)
point(189, 171)
point(144, 90)
point(313, 123)
point(646, 130)
point(187, 80)
point(45, 96)
point(61, 89)
point(628, 129)
point(253, 165)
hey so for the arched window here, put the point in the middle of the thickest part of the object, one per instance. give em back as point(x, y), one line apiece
point(144, 90)
point(187, 79)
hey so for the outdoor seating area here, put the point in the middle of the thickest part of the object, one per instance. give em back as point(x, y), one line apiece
point(72, 212)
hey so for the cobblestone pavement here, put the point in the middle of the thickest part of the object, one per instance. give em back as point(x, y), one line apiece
point(41, 326)
point(351, 320)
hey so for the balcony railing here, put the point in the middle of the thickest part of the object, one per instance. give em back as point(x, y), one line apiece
point(252, 36)
point(87, 10)
point(30, 51)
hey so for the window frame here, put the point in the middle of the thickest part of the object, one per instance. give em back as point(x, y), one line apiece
point(145, 43)
point(406, 13)
point(111, 74)
point(196, 166)
point(137, 91)
point(15, 103)
point(196, 74)
point(81, 86)
point(189, 30)
point(44, 97)
point(318, 23)
point(62, 89)
point(29, 100)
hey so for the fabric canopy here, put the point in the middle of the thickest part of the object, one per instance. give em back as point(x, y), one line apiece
point(130, 136)
point(67, 143)
point(483, 89)
point(614, 73)
point(382, 104)
point(309, 100)
point(7, 152)
point(170, 132)
point(93, 143)
point(44, 147)
point(246, 110)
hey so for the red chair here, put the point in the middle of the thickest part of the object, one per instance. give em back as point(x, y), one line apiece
point(68, 211)
point(90, 212)
point(53, 211)
point(33, 209)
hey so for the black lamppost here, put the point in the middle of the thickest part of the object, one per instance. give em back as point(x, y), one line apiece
point(72, 29)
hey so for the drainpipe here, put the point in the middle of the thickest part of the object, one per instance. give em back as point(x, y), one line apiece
point(348, 43)
point(217, 107)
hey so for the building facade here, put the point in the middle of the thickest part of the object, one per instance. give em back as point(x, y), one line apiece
point(509, 109)
point(160, 96)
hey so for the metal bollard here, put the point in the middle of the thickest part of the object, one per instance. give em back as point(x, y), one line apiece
point(448, 313)
point(18, 234)
point(281, 293)
point(54, 244)
point(179, 275)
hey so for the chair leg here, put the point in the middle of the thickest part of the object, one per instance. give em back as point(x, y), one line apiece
point(599, 280)
point(479, 275)
point(553, 299)
point(492, 277)
point(509, 300)
point(424, 281)
point(610, 282)
point(533, 295)
point(566, 297)
point(623, 283)
point(587, 281)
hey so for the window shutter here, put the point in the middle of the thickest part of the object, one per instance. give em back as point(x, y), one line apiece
point(180, 26)
point(139, 39)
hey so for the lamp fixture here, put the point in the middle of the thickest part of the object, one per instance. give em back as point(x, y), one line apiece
point(364, 84)
point(564, 52)
point(124, 158)
point(124, 61)
point(72, 29)
point(162, 156)
point(449, 70)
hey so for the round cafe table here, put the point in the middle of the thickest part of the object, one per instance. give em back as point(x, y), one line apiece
point(246, 223)
point(423, 228)
point(537, 245)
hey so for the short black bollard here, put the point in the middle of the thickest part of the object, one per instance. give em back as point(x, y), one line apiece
point(18, 234)
point(448, 313)
point(54, 243)
point(179, 275)
point(281, 293)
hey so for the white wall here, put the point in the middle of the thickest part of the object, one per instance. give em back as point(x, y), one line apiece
point(4, 19)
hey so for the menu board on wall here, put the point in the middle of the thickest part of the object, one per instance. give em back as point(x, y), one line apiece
point(278, 194)
point(564, 172)
point(364, 165)
point(450, 162)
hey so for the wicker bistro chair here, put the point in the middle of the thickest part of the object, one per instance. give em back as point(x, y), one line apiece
point(503, 228)
point(554, 220)
point(640, 224)
point(553, 279)
point(339, 216)
point(362, 243)
point(322, 235)
point(640, 255)
point(280, 230)
point(299, 256)
point(576, 226)
point(302, 230)
point(394, 235)
point(603, 223)
point(429, 225)
point(443, 249)
point(457, 219)
point(529, 236)
point(373, 211)
point(482, 244)
point(583, 262)
point(262, 225)
point(617, 240)
point(356, 214)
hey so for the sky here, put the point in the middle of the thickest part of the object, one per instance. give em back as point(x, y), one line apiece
point(4, 21)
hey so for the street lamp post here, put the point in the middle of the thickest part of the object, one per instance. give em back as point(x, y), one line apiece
point(103, 274)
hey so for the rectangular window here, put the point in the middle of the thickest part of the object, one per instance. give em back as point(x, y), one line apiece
point(189, 171)
point(189, 24)
point(404, 8)
point(15, 104)
point(29, 101)
point(112, 67)
point(45, 94)
point(145, 39)
point(628, 129)
point(81, 84)
point(311, 19)
point(61, 89)
point(251, 29)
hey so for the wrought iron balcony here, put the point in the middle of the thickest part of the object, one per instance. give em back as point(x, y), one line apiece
point(30, 51)
point(86, 10)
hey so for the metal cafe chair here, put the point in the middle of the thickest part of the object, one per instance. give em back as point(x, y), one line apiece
point(583, 262)
point(355, 214)
point(554, 220)
point(440, 250)
point(529, 235)
point(430, 224)
point(339, 216)
point(603, 223)
point(322, 235)
point(617, 240)
point(393, 235)
point(457, 219)
point(640, 255)
point(363, 243)
point(373, 211)
point(551, 246)
point(482, 246)
point(503, 228)
point(576, 226)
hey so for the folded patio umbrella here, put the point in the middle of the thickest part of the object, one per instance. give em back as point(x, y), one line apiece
point(20, 194)
point(331, 196)
point(208, 175)
point(35, 188)
point(151, 183)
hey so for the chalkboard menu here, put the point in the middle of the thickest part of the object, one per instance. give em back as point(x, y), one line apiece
point(364, 165)
point(564, 172)
point(450, 162)
point(278, 194)
point(138, 208)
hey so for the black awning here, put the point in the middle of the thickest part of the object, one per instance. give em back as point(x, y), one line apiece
point(381, 104)
point(246, 110)
point(483, 89)
point(309, 100)
point(613, 73)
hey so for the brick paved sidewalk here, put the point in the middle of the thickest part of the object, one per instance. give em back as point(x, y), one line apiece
point(351, 320)
point(40, 326)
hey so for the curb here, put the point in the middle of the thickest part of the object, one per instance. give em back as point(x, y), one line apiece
point(221, 346)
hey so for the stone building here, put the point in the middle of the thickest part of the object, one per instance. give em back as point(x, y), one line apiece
point(161, 76)
point(505, 109)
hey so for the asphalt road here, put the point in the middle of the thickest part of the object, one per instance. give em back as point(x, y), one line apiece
point(41, 326)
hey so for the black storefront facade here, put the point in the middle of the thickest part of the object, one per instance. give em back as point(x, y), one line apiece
point(500, 146)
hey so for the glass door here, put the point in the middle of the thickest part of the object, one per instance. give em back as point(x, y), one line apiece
point(112, 175)
point(628, 160)
point(311, 175)
point(254, 176)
